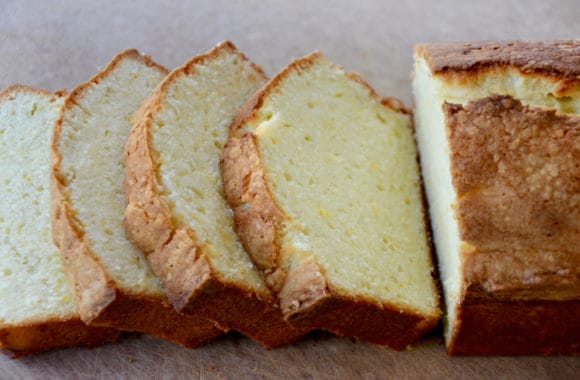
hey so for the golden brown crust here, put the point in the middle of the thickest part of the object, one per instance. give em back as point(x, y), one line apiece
point(303, 291)
point(147, 216)
point(27, 339)
point(304, 294)
point(513, 327)
point(99, 299)
point(92, 288)
point(521, 274)
point(515, 170)
point(175, 254)
point(560, 59)
point(256, 215)
point(9, 91)
point(125, 54)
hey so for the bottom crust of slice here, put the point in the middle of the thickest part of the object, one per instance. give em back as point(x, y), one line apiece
point(155, 316)
point(246, 312)
point(308, 301)
point(24, 340)
point(541, 327)
point(365, 321)
point(195, 289)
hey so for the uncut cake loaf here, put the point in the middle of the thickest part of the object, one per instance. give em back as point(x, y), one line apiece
point(498, 129)
point(323, 180)
point(112, 282)
point(37, 310)
point(176, 211)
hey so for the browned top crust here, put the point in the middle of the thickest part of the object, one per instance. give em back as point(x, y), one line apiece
point(15, 88)
point(248, 110)
point(125, 54)
point(516, 171)
point(555, 58)
point(21, 88)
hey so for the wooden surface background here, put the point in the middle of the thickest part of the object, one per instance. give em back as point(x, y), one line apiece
point(56, 44)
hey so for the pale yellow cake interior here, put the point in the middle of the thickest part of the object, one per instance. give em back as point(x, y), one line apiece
point(33, 286)
point(93, 136)
point(188, 133)
point(343, 168)
point(430, 93)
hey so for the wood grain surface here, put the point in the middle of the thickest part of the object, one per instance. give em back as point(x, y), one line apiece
point(57, 44)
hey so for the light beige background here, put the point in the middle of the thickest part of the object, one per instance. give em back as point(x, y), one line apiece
point(56, 44)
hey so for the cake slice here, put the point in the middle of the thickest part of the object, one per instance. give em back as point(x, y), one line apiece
point(176, 211)
point(112, 283)
point(499, 135)
point(37, 310)
point(323, 180)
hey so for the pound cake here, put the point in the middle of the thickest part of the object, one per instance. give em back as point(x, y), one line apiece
point(112, 282)
point(323, 180)
point(176, 211)
point(37, 310)
point(498, 130)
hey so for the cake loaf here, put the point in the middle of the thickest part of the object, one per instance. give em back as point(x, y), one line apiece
point(323, 179)
point(112, 281)
point(176, 211)
point(37, 310)
point(499, 135)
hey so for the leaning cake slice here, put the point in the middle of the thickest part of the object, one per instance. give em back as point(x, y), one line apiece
point(176, 211)
point(112, 281)
point(502, 178)
point(323, 179)
point(37, 310)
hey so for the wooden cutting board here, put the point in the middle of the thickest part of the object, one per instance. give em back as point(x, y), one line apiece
point(56, 44)
point(319, 357)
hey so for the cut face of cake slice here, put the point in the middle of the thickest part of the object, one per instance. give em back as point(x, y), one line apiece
point(502, 180)
point(323, 179)
point(37, 309)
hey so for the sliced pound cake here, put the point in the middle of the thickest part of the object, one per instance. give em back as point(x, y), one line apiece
point(176, 211)
point(37, 310)
point(503, 182)
point(112, 282)
point(323, 179)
